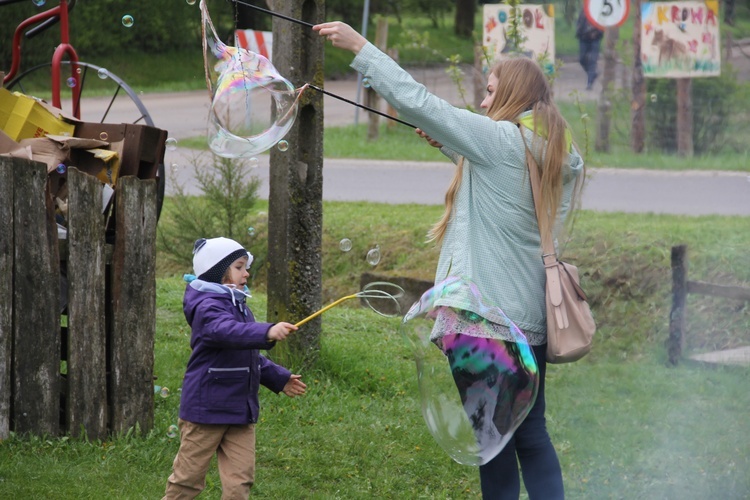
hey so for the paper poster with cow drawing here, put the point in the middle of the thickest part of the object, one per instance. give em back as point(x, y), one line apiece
point(537, 27)
point(680, 39)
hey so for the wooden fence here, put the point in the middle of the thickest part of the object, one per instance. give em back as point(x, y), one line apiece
point(680, 288)
point(77, 315)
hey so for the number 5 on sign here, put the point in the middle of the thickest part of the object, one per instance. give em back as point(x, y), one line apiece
point(606, 13)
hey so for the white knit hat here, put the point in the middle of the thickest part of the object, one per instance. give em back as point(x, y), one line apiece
point(212, 257)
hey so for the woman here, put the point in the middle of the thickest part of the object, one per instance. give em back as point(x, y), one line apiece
point(489, 231)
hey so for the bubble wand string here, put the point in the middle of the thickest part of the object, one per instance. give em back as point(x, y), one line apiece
point(309, 25)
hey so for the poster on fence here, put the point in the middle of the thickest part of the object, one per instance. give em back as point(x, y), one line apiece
point(537, 27)
point(680, 39)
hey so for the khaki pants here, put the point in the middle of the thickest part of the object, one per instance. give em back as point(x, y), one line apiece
point(234, 446)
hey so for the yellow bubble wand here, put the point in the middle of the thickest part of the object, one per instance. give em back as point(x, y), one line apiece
point(369, 292)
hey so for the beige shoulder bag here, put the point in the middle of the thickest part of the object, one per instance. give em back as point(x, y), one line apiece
point(570, 325)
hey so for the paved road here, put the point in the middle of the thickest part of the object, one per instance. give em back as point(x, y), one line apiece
point(688, 193)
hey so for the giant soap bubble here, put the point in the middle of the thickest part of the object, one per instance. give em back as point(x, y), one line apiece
point(475, 389)
point(252, 105)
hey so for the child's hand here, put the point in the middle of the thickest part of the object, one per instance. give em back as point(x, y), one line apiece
point(432, 142)
point(294, 387)
point(280, 331)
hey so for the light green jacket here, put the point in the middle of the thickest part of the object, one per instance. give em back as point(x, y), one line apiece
point(493, 237)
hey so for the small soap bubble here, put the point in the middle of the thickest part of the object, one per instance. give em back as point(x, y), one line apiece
point(61, 168)
point(174, 168)
point(373, 256)
point(345, 245)
point(164, 392)
point(366, 83)
point(102, 73)
point(282, 145)
point(172, 431)
point(39, 3)
point(171, 144)
point(78, 70)
point(71, 82)
point(104, 136)
point(127, 20)
point(253, 162)
point(653, 98)
point(190, 2)
point(251, 231)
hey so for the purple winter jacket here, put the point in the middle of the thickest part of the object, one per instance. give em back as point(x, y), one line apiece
point(225, 369)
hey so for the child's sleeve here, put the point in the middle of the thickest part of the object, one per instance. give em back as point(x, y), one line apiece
point(272, 375)
point(219, 329)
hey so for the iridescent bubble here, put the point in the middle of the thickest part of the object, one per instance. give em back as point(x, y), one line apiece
point(127, 20)
point(654, 98)
point(171, 144)
point(102, 73)
point(475, 389)
point(38, 3)
point(172, 431)
point(253, 162)
point(283, 146)
point(71, 82)
point(190, 2)
point(164, 392)
point(252, 107)
point(78, 71)
point(373, 256)
point(345, 244)
point(366, 83)
point(61, 168)
point(251, 231)
point(103, 136)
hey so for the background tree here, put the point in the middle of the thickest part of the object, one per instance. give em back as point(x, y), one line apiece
point(464, 25)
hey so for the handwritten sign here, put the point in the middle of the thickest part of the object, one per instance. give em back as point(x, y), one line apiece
point(680, 39)
point(537, 29)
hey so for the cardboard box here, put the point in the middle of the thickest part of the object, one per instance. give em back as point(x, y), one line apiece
point(24, 117)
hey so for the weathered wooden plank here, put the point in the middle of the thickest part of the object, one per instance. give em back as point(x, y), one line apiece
point(679, 295)
point(133, 306)
point(36, 314)
point(6, 292)
point(730, 292)
point(86, 405)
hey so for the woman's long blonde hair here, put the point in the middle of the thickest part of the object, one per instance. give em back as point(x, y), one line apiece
point(522, 86)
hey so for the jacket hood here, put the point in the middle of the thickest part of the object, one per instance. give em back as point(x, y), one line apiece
point(198, 290)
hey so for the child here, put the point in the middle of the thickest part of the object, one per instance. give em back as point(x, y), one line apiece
point(219, 405)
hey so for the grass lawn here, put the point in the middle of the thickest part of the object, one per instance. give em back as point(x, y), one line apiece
point(624, 424)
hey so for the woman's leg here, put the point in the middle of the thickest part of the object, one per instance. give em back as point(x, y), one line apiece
point(539, 464)
point(499, 476)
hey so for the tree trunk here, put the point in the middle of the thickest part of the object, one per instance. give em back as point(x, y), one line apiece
point(464, 25)
point(608, 82)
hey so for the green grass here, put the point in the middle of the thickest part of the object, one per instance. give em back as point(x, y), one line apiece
point(624, 425)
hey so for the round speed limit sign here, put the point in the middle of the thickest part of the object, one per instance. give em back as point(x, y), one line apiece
point(606, 13)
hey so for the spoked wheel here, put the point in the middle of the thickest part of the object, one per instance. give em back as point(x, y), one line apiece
point(109, 100)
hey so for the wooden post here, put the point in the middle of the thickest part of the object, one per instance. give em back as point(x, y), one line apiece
point(608, 82)
point(36, 305)
point(638, 102)
point(295, 225)
point(684, 117)
point(86, 403)
point(679, 296)
point(133, 283)
point(373, 100)
point(6, 292)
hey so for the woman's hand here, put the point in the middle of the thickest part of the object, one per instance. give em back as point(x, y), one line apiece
point(294, 386)
point(432, 142)
point(341, 35)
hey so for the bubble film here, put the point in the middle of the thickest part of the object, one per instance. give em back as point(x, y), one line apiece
point(475, 388)
point(252, 105)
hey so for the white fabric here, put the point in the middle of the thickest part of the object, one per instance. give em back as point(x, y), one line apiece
point(214, 250)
